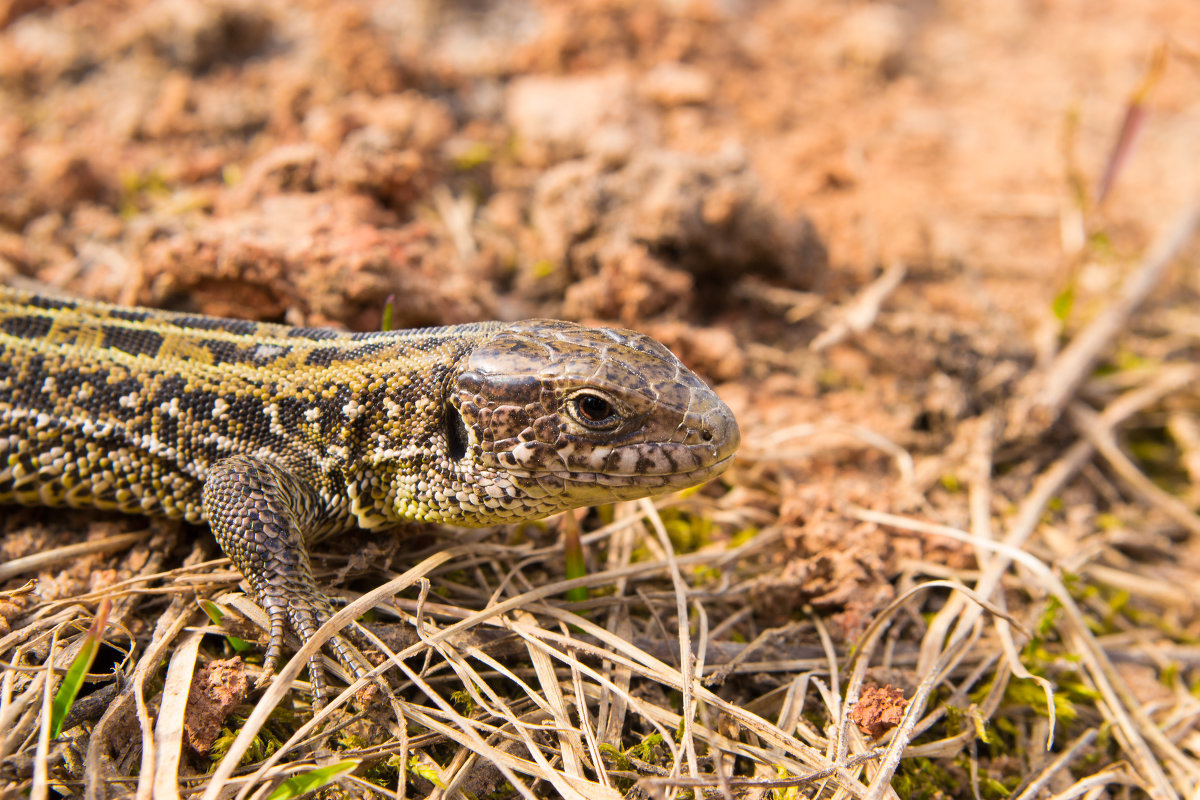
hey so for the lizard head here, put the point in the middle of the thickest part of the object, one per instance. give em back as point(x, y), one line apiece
point(542, 416)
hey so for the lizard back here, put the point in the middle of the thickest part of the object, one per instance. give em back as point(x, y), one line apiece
point(128, 408)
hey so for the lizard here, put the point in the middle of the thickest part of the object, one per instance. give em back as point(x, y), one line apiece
point(276, 437)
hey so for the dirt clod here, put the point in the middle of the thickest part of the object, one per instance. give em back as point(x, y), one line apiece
point(678, 228)
point(217, 688)
point(878, 710)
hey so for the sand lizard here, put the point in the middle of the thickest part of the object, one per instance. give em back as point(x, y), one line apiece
point(277, 436)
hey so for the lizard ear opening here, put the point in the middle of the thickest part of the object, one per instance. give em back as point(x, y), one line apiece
point(456, 433)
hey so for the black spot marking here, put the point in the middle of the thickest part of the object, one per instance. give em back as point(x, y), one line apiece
point(51, 303)
point(114, 390)
point(224, 352)
point(291, 411)
point(239, 326)
point(129, 314)
point(23, 383)
point(67, 381)
point(27, 327)
point(132, 341)
point(167, 428)
point(170, 387)
point(199, 402)
point(316, 334)
point(324, 356)
point(321, 356)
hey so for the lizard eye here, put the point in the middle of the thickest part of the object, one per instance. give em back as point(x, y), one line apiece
point(593, 411)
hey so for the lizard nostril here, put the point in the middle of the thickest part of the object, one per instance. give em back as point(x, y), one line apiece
point(720, 430)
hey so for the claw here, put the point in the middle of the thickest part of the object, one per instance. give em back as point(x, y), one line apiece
point(316, 674)
point(259, 511)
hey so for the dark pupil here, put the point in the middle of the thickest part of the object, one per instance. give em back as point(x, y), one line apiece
point(594, 409)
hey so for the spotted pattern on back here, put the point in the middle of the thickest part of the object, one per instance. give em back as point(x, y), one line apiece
point(130, 409)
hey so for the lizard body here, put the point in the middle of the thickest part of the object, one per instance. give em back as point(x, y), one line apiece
point(277, 436)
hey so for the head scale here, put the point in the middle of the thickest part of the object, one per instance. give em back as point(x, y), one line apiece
point(542, 416)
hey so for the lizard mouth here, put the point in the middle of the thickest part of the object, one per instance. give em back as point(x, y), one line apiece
point(609, 486)
point(683, 477)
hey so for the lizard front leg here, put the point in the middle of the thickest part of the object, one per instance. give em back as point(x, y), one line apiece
point(258, 512)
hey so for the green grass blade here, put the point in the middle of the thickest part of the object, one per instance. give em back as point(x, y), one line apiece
point(69, 690)
point(576, 564)
point(388, 306)
point(216, 615)
point(312, 780)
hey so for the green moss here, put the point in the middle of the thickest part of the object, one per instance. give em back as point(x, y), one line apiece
point(503, 790)
point(263, 745)
point(998, 789)
point(1047, 622)
point(923, 779)
point(543, 268)
point(463, 701)
point(475, 155)
point(956, 719)
point(1064, 301)
point(1170, 675)
point(139, 191)
point(790, 793)
point(1158, 456)
point(385, 773)
point(830, 380)
point(640, 554)
point(1027, 694)
point(688, 532)
point(350, 741)
point(744, 535)
point(420, 768)
point(619, 759)
point(649, 749)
